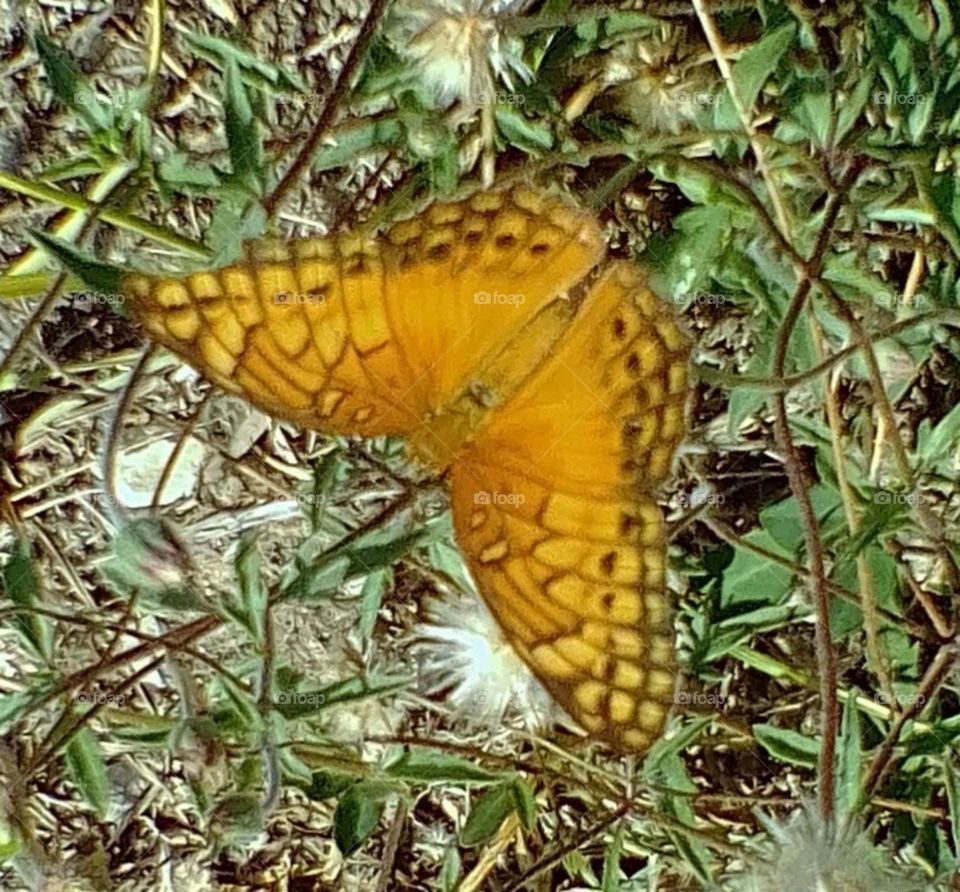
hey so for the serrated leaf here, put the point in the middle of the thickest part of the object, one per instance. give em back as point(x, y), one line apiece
point(66, 81)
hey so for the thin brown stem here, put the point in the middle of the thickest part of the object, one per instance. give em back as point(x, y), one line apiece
point(330, 107)
point(932, 679)
point(826, 653)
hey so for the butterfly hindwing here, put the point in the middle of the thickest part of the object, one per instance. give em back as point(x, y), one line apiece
point(553, 514)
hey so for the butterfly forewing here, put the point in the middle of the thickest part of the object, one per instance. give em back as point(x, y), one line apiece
point(370, 336)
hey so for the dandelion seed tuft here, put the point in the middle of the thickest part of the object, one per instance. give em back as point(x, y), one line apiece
point(805, 854)
point(464, 656)
point(457, 48)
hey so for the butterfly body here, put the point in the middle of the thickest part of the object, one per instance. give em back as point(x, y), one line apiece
point(552, 396)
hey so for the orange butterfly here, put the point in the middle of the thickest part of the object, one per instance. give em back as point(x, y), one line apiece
point(553, 397)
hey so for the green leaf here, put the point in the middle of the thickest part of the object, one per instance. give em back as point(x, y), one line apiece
point(371, 597)
point(754, 579)
point(428, 766)
point(237, 818)
point(691, 848)
point(103, 278)
point(619, 22)
point(150, 558)
point(66, 81)
point(486, 816)
point(852, 106)
point(250, 604)
point(450, 872)
point(14, 705)
point(787, 745)
point(934, 444)
point(380, 134)
point(356, 815)
point(243, 139)
point(682, 263)
point(849, 759)
point(752, 71)
point(88, 770)
point(524, 803)
point(951, 782)
point(669, 748)
point(328, 784)
point(443, 172)
point(844, 271)
point(255, 70)
point(177, 172)
point(610, 882)
point(20, 588)
point(522, 132)
point(62, 72)
point(782, 520)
